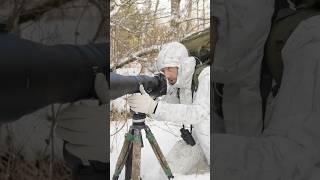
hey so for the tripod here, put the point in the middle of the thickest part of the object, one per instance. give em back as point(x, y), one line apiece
point(130, 154)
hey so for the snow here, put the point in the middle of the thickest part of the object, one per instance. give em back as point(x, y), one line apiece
point(166, 134)
point(29, 135)
point(133, 70)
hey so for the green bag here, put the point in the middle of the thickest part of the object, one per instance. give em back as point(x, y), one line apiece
point(198, 69)
point(282, 28)
point(284, 23)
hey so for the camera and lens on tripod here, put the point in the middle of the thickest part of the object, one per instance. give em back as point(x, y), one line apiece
point(130, 155)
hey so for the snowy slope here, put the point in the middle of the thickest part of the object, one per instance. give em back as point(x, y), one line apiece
point(166, 134)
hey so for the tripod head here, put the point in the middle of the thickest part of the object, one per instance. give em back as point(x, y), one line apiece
point(138, 118)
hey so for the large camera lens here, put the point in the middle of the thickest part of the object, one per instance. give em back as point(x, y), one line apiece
point(121, 85)
point(34, 75)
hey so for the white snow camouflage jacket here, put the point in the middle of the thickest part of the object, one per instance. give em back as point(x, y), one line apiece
point(179, 105)
point(289, 147)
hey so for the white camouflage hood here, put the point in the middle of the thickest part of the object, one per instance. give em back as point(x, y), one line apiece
point(175, 54)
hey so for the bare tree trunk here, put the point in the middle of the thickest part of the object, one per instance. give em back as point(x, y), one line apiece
point(155, 13)
point(189, 13)
point(203, 13)
point(146, 24)
point(198, 21)
point(175, 8)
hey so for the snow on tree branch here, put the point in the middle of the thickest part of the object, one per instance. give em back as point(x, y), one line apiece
point(136, 56)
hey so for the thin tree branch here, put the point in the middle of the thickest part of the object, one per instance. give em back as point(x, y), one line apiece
point(136, 56)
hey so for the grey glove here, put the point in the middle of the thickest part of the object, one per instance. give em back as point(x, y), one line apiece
point(83, 125)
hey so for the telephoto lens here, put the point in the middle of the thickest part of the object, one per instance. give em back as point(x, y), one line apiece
point(120, 85)
point(34, 75)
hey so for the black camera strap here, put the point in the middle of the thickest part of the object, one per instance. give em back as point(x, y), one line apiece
point(185, 133)
point(191, 127)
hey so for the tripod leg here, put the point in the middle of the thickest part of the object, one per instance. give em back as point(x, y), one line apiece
point(127, 145)
point(156, 149)
point(129, 165)
point(136, 154)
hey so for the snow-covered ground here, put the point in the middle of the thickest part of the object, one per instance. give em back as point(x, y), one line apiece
point(167, 134)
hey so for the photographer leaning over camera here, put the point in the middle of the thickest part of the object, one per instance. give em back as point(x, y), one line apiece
point(181, 104)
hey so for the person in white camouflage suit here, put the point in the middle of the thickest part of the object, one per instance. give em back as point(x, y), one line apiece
point(181, 105)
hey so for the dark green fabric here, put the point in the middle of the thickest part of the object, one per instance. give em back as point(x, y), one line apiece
point(280, 33)
point(197, 71)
